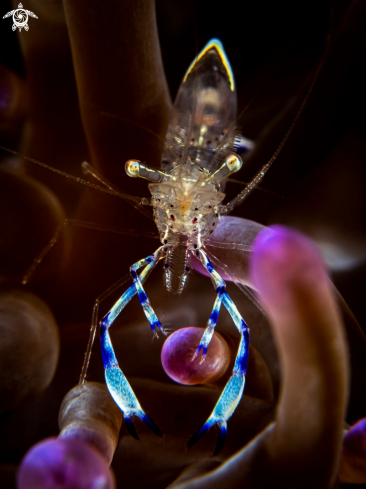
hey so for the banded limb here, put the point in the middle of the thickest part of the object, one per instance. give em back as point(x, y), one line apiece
point(244, 288)
point(234, 388)
point(117, 384)
point(84, 224)
point(95, 315)
point(144, 301)
point(220, 288)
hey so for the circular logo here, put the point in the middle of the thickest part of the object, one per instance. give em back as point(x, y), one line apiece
point(20, 18)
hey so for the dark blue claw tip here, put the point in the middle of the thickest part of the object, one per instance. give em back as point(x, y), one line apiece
point(156, 325)
point(131, 428)
point(199, 434)
point(221, 439)
point(151, 425)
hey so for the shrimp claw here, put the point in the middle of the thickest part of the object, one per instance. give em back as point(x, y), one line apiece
point(234, 388)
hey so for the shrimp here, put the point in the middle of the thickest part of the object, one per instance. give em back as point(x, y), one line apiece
point(202, 149)
point(229, 162)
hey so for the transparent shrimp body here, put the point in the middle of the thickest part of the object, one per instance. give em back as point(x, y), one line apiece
point(187, 199)
point(187, 194)
point(186, 203)
point(199, 154)
point(202, 123)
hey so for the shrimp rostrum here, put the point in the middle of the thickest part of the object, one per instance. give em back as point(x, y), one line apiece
point(202, 148)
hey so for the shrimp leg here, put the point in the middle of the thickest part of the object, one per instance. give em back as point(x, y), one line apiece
point(234, 388)
point(117, 384)
point(145, 303)
point(214, 316)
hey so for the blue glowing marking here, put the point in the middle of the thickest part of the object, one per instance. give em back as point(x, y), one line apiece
point(214, 316)
point(244, 364)
point(133, 274)
point(107, 358)
point(246, 336)
point(103, 327)
point(108, 355)
point(243, 324)
point(220, 289)
point(222, 437)
point(156, 324)
point(150, 424)
point(142, 297)
point(242, 145)
point(130, 427)
point(199, 434)
point(241, 361)
point(150, 258)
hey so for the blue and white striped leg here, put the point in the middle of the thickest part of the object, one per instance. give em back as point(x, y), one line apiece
point(220, 288)
point(229, 398)
point(117, 384)
point(234, 388)
point(145, 303)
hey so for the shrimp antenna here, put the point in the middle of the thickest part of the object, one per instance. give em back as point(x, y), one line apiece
point(106, 190)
